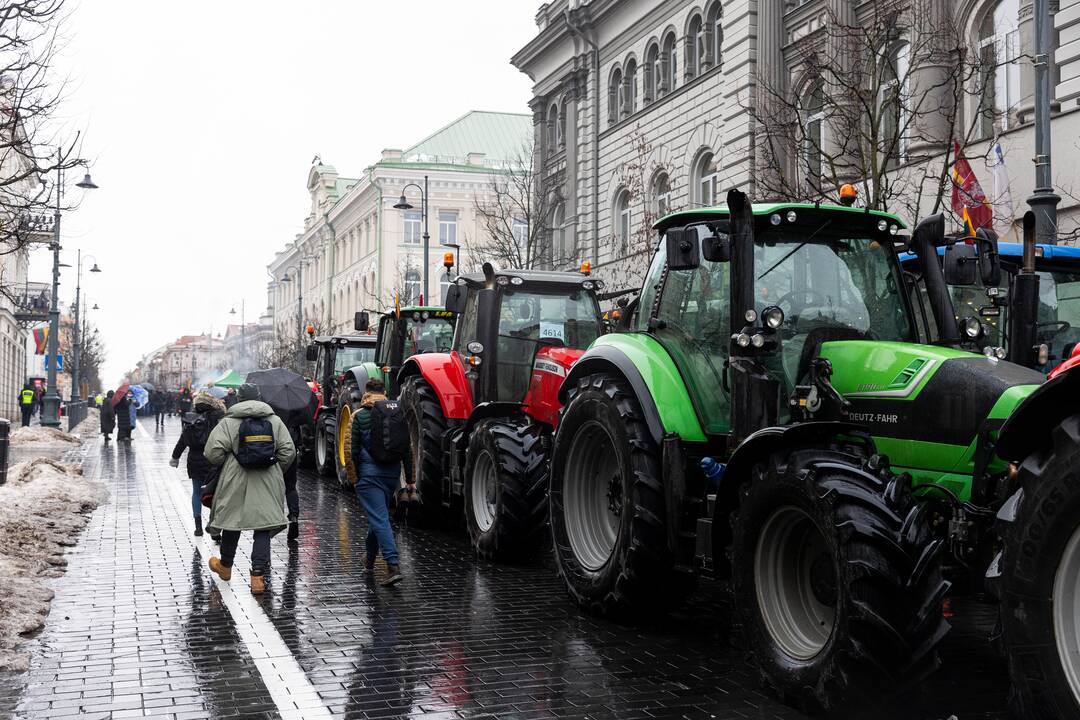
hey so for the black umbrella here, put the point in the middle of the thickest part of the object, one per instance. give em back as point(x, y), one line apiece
point(287, 393)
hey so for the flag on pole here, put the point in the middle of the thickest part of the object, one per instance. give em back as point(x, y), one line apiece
point(1004, 212)
point(41, 338)
point(968, 199)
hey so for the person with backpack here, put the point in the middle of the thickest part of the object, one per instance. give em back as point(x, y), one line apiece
point(108, 416)
point(380, 443)
point(208, 411)
point(252, 447)
point(27, 400)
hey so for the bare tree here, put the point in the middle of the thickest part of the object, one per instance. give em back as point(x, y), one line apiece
point(878, 103)
point(285, 348)
point(515, 220)
point(90, 351)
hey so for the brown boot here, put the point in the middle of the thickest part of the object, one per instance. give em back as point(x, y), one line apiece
point(258, 585)
point(222, 572)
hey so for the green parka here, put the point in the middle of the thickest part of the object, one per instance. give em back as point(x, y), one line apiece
point(248, 498)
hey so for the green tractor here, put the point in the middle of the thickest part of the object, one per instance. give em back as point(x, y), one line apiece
point(770, 416)
point(403, 332)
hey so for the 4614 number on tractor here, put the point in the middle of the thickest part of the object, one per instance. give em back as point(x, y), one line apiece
point(780, 340)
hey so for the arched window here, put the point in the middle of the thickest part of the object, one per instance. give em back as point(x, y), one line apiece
point(695, 47)
point(661, 194)
point(412, 287)
point(564, 122)
point(615, 96)
point(671, 63)
point(652, 73)
point(706, 176)
point(715, 30)
point(553, 127)
point(999, 44)
point(813, 135)
point(558, 234)
point(893, 103)
point(623, 219)
point(630, 88)
point(444, 287)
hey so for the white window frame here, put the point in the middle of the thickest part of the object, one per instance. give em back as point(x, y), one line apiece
point(661, 197)
point(808, 150)
point(412, 287)
point(413, 227)
point(706, 183)
point(1003, 45)
point(624, 218)
point(519, 230)
point(896, 89)
point(444, 287)
point(448, 222)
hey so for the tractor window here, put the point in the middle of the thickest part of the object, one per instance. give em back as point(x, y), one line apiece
point(427, 335)
point(568, 318)
point(386, 340)
point(466, 324)
point(694, 310)
point(1059, 314)
point(348, 357)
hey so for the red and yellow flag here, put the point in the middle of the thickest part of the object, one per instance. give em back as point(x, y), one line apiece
point(968, 199)
point(41, 339)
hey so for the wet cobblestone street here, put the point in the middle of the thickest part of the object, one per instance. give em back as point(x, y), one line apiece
point(140, 628)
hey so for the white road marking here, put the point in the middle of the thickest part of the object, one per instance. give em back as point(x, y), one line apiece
point(289, 687)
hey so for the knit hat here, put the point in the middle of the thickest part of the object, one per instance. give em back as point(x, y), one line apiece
point(248, 391)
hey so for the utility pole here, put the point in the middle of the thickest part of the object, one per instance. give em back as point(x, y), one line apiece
point(1043, 201)
point(50, 405)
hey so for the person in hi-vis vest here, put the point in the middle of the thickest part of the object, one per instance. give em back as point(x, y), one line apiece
point(27, 402)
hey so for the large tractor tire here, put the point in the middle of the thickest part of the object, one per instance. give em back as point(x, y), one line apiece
point(607, 506)
point(1040, 580)
point(836, 578)
point(324, 453)
point(427, 425)
point(506, 478)
point(344, 467)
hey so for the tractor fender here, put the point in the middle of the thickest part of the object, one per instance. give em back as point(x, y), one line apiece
point(491, 409)
point(611, 359)
point(358, 375)
point(445, 374)
point(1030, 425)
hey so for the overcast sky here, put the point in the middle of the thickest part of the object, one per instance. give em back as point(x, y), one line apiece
point(201, 120)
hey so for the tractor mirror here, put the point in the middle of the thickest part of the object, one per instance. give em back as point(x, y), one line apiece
point(455, 298)
point(361, 321)
point(683, 252)
point(717, 248)
point(311, 353)
point(960, 264)
point(989, 263)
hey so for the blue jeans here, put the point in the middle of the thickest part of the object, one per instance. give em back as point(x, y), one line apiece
point(375, 494)
point(196, 498)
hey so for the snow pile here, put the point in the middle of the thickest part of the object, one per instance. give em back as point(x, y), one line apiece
point(91, 425)
point(39, 435)
point(43, 507)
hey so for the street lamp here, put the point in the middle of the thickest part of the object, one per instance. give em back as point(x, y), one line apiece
point(50, 404)
point(243, 329)
point(76, 364)
point(404, 204)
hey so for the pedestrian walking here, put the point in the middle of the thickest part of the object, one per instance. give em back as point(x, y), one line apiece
point(379, 441)
point(159, 409)
point(108, 416)
point(292, 499)
point(125, 417)
point(27, 403)
point(252, 446)
point(185, 401)
point(208, 411)
point(230, 397)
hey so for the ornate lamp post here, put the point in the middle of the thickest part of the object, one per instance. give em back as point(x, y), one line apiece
point(404, 204)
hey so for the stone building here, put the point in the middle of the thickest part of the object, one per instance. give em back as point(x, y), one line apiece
point(644, 106)
point(358, 252)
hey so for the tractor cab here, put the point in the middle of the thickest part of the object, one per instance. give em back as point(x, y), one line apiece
point(405, 332)
point(520, 330)
point(334, 356)
point(981, 301)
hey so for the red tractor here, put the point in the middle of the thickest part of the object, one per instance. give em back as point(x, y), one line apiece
point(481, 416)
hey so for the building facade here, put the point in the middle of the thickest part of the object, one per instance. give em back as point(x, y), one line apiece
point(358, 251)
point(640, 107)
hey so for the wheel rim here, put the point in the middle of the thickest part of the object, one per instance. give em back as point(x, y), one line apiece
point(344, 420)
point(592, 495)
point(320, 448)
point(795, 583)
point(484, 480)
point(1067, 612)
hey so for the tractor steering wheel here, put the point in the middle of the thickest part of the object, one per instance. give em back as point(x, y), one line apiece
point(1060, 325)
point(812, 295)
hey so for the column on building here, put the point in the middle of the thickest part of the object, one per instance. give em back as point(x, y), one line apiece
point(1067, 57)
point(933, 69)
point(772, 73)
point(1026, 56)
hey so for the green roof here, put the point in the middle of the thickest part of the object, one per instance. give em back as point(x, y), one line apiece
point(503, 138)
point(767, 209)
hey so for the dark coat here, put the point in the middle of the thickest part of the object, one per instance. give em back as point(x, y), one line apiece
point(206, 419)
point(123, 414)
point(367, 470)
point(108, 417)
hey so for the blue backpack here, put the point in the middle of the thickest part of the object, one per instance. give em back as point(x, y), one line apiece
point(255, 444)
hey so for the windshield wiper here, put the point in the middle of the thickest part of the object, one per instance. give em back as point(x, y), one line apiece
point(797, 248)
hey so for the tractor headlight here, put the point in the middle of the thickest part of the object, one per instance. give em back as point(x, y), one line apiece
point(425, 315)
point(502, 280)
point(742, 340)
point(475, 348)
point(757, 340)
point(894, 229)
point(791, 216)
point(588, 285)
point(773, 316)
point(599, 284)
point(999, 353)
point(751, 316)
point(882, 226)
point(971, 328)
point(517, 281)
point(1042, 353)
point(775, 219)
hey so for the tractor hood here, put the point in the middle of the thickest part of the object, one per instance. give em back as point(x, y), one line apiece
point(927, 405)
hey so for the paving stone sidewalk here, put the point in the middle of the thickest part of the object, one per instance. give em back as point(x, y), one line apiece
point(140, 628)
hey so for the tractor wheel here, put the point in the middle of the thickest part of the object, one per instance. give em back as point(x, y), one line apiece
point(836, 579)
point(607, 506)
point(506, 479)
point(424, 416)
point(1040, 580)
point(343, 461)
point(324, 459)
